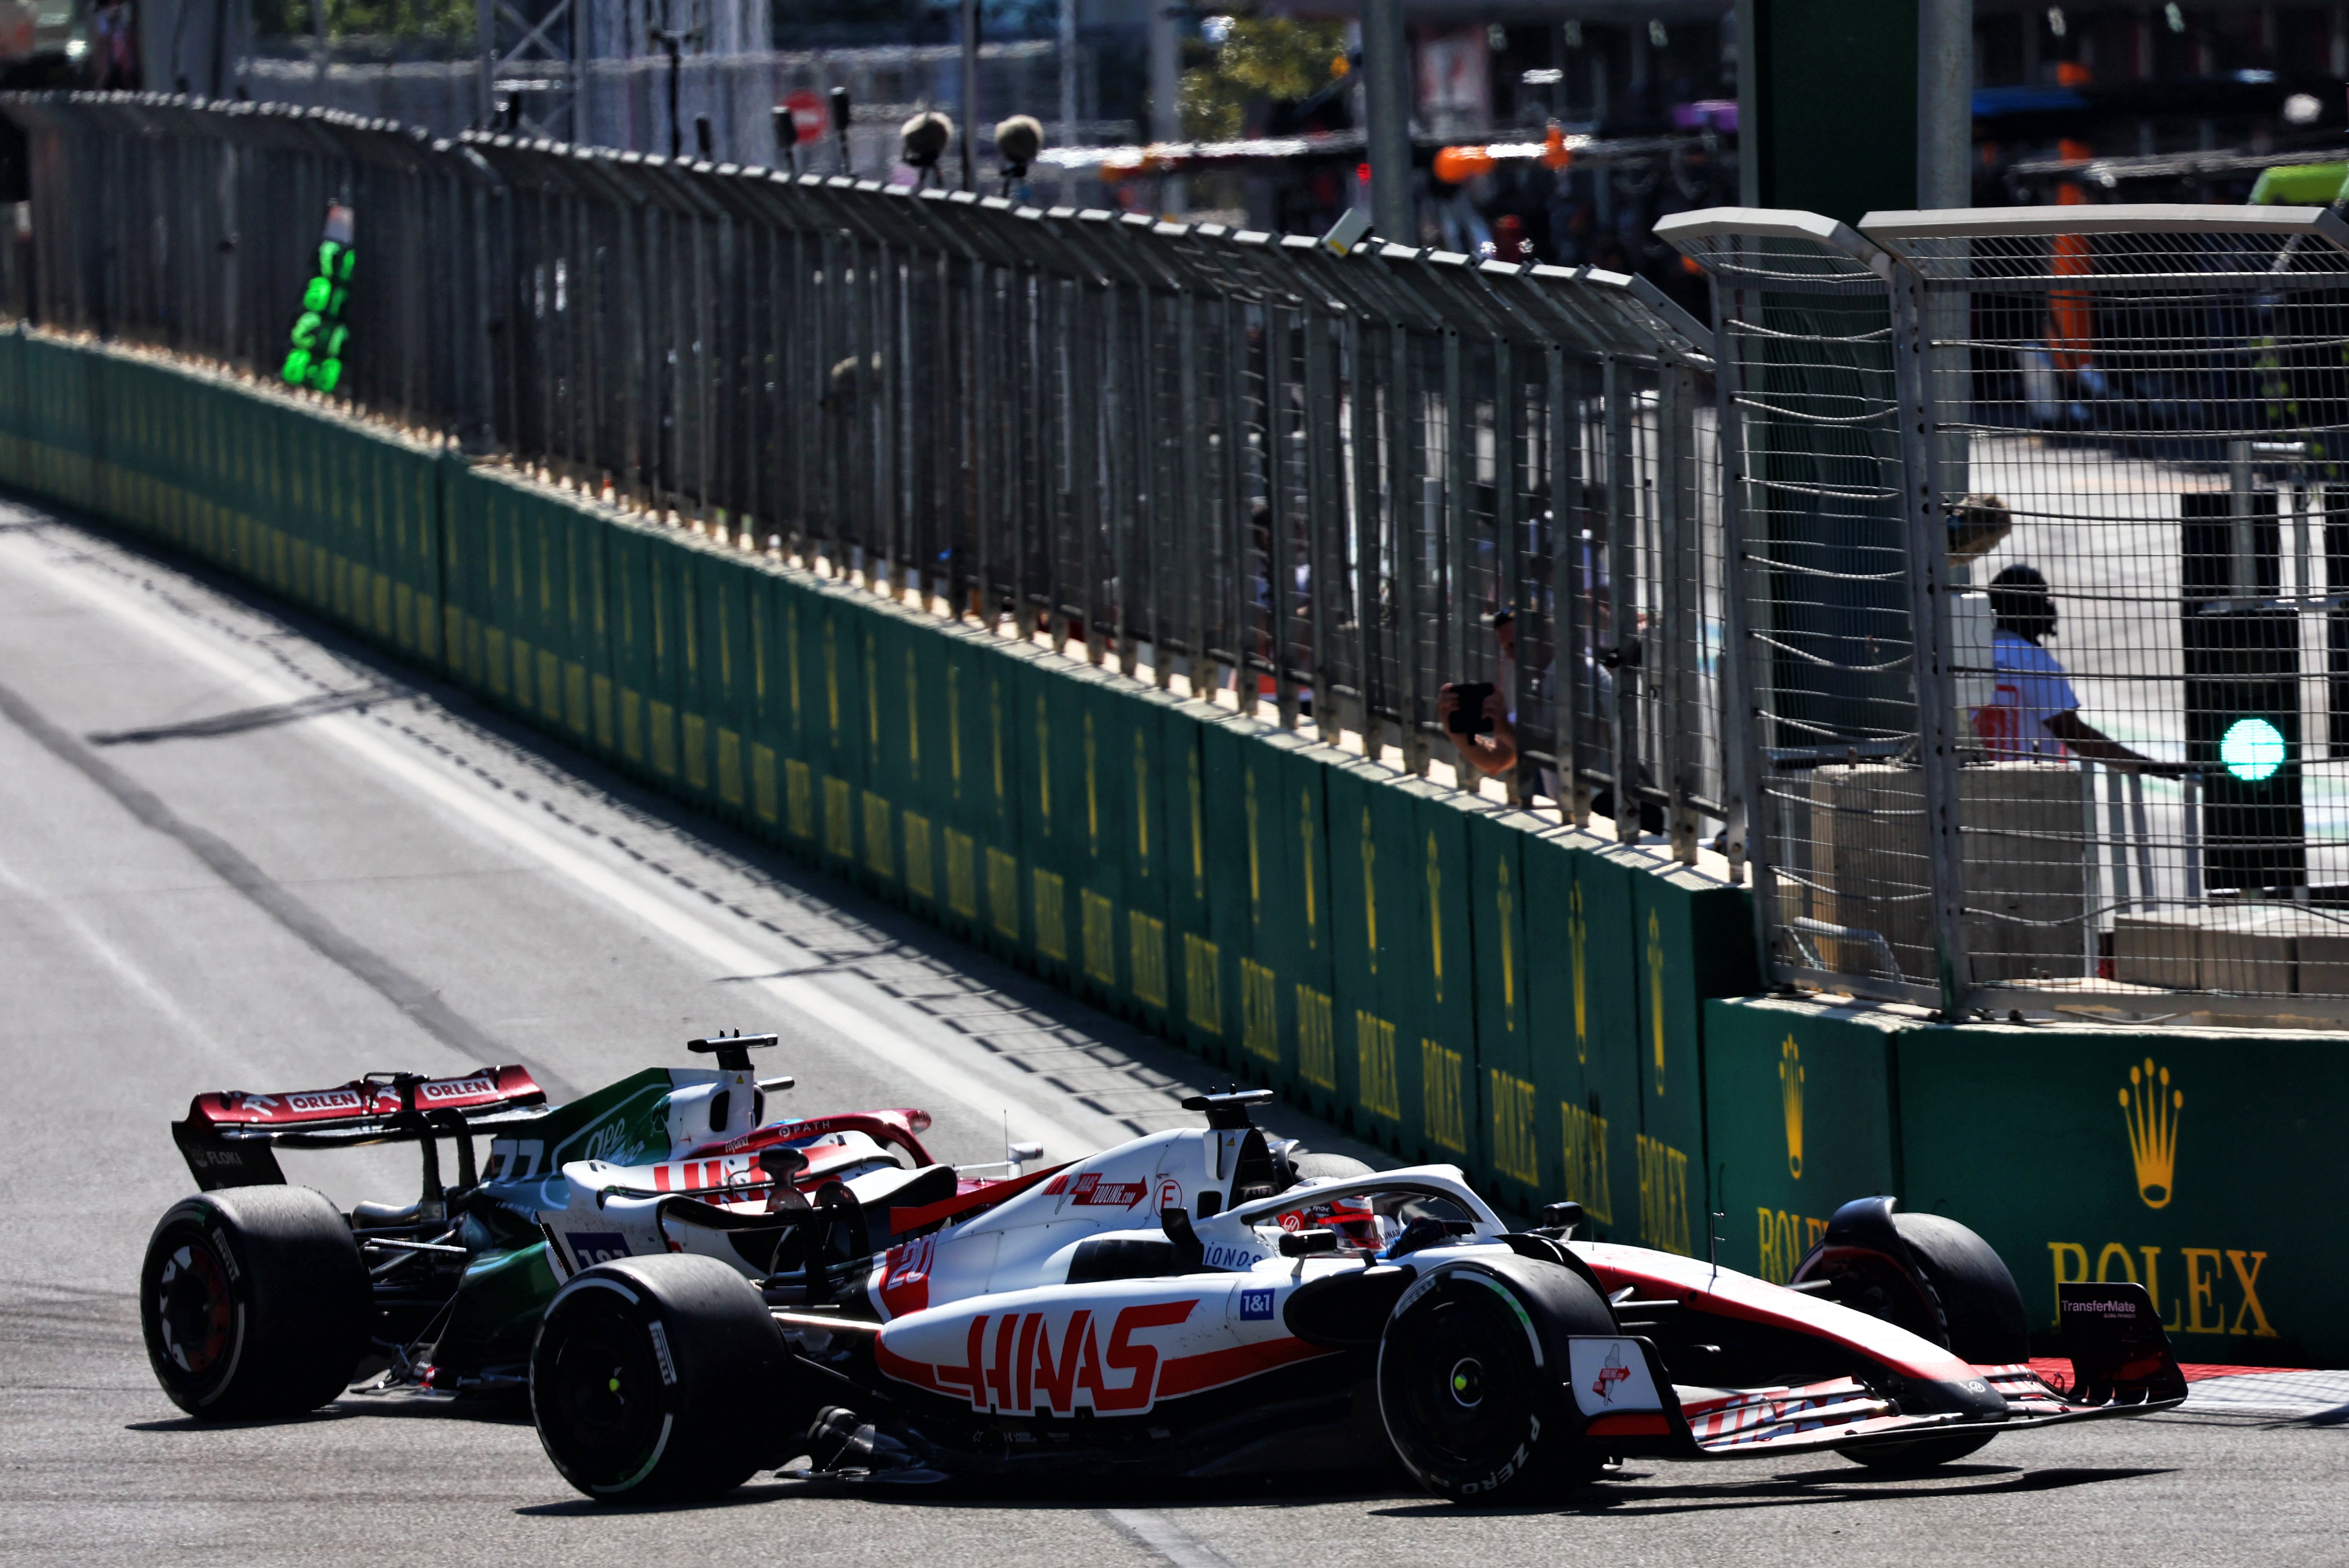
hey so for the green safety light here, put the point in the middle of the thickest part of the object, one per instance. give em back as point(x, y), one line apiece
point(2251, 750)
point(313, 357)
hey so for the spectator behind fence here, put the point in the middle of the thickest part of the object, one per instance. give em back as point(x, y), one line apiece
point(1495, 753)
point(2035, 712)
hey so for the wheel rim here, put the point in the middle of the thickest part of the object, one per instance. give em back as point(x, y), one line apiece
point(1465, 1386)
point(194, 1313)
point(603, 1392)
point(1468, 1383)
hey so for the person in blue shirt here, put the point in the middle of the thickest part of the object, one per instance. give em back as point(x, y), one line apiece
point(2035, 714)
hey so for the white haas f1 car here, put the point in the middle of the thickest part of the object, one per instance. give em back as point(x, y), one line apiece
point(1209, 1303)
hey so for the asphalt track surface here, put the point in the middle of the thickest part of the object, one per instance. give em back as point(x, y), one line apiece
point(238, 852)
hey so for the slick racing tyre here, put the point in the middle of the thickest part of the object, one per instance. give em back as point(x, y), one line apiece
point(255, 1303)
point(1979, 1299)
point(1961, 1296)
point(1472, 1375)
point(661, 1380)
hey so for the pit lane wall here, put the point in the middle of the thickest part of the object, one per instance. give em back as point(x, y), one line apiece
point(2203, 1164)
point(1449, 979)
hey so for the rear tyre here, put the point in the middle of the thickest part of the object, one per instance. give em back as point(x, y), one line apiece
point(1922, 1455)
point(1470, 1382)
point(255, 1303)
point(661, 1380)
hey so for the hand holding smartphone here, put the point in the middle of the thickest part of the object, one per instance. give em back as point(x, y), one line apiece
point(1468, 716)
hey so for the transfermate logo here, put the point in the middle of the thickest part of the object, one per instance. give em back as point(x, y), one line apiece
point(2150, 1108)
point(1790, 1096)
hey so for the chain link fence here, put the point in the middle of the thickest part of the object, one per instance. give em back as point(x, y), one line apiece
point(2046, 602)
point(1314, 483)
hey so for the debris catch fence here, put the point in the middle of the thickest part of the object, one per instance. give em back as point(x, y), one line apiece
point(1308, 477)
point(2044, 612)
point(1983, 577)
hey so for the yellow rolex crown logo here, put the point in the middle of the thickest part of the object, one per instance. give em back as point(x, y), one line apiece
point(2150, 1107)
point(1790, 1094)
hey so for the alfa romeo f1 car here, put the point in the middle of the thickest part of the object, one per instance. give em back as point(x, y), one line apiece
point(1207, 1302)
point(262, 1299)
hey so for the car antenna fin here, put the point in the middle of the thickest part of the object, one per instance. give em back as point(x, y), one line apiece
point(1228, 1111)
point(733, 1051)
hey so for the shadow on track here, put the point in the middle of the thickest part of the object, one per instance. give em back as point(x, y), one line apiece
point(1805, 1488)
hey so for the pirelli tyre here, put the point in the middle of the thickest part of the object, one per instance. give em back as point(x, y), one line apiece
point(255, 1303)
point(1472, 1379)
point(1963, 1298)
point(661, 1380)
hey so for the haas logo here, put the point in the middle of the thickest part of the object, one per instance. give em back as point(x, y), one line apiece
point(1609, 1374)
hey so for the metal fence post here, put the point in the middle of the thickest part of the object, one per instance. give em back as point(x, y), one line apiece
point(1929, 611)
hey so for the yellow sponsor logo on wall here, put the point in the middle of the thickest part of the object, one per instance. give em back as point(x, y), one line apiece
point(2219, 1293)
point(1578, 931)
point(1787, 1240)
point(1380, 1087)
point(1656, 992)
point(1790, 1097)
point(1259, 1011)
point(1202, 994)
point(1099, 935)
point(1316, 1042)
point(2151, 1108)
point(1443, 1094)
point(1516, 1150)
point(1435, 914)
point(1663, 1196)
point(1146, 940)
point(1584, 1137)
point(2207, 1289)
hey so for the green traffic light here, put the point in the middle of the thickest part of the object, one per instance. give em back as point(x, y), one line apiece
point(2251, 750)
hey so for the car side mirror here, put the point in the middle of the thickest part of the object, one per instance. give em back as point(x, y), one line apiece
point(1563, 1218)
point(1307, 1244)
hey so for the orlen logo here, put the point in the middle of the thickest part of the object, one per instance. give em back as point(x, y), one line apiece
point(1016, 1366)
point(324, 1100)
point(1612, 1372)
point(458, 1089)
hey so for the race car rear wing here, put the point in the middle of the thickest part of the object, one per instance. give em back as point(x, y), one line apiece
point(227, 1137)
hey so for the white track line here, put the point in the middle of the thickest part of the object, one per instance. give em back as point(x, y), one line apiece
point(2302, 1394)
point(1163, 1535)
point(926, 1071)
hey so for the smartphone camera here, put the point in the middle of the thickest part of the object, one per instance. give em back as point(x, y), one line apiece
point(1470, 718)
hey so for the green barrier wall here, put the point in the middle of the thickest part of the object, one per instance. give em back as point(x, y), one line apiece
point(1452, 980)
point(2199, 1164)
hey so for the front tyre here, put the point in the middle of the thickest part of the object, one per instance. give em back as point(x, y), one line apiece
point(255, 1303)
point(660, 1379)
point(1470, 1382)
